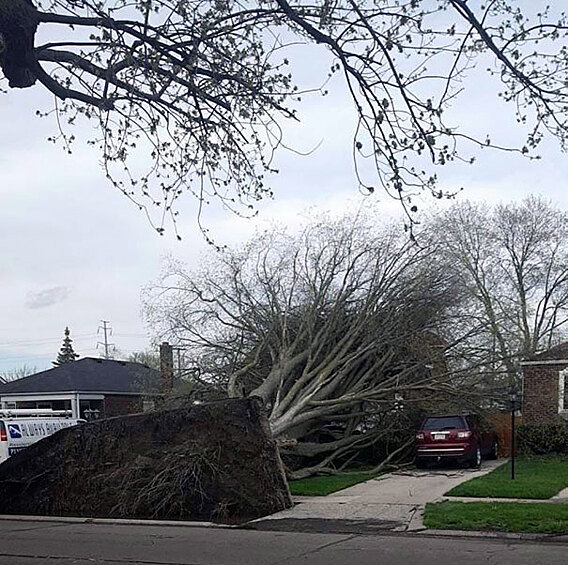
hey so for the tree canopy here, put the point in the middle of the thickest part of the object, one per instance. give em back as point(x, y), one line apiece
point(512, 263)
point(191, 96)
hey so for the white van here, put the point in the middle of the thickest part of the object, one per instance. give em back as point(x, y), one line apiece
point(20, 427)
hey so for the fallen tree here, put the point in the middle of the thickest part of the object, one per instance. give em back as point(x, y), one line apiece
point(335, 329)
point(201, 462)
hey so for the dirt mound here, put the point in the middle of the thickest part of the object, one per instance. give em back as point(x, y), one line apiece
point(214, 461)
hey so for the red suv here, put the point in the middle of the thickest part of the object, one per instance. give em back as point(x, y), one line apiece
point(461, 438)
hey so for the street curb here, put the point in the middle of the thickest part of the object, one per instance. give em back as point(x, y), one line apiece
point(532, 537)
point(117, 521)
point(528, 537)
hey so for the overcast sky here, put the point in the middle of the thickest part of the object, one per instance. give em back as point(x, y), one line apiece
point(75, 251)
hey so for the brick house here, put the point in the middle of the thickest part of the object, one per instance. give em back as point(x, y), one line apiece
point(545, 386)
point(88, 387)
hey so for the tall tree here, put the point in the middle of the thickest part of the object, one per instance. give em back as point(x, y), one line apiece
point(198, 90)
point(335, 328)
point(513, 263)
point(66, 353)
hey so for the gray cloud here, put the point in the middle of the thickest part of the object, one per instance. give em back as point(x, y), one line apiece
point(47, 297)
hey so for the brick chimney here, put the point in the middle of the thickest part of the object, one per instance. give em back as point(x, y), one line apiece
point(166, 367)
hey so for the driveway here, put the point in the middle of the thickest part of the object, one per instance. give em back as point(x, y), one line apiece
point(390, 502)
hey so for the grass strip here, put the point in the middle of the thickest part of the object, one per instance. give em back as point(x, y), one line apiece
point(497, 516)
point(326, 484)
point(535, 477)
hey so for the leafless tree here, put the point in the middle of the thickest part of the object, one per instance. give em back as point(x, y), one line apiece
point(513, 262)
point(149, 358)
point(17, 373)
point(335, 329)
point(199, 89)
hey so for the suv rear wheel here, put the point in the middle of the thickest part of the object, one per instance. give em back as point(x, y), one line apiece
point(476, 459)
point(494, 453)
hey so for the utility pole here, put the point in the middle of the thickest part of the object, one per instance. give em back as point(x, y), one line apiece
point(178, 351)
point(107, 330)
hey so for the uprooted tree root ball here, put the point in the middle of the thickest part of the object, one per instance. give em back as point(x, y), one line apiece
point(214, 462)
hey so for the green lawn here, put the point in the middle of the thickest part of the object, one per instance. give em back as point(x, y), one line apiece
point(326, 484)
point(535, 477)
point(497, 516)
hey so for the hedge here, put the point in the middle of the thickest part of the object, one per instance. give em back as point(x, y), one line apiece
point(542, 439)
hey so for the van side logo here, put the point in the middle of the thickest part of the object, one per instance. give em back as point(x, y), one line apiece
point(15, 431)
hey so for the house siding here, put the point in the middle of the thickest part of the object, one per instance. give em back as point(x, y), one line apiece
point(502, 423)
point(117, 405)
point(540, 393)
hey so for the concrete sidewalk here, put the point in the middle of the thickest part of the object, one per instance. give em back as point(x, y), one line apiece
point(390, 502)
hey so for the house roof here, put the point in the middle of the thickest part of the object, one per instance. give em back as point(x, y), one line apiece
point(88, 375)
point(558, 352)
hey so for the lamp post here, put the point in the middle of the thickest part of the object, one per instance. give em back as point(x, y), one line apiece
point(513, 402)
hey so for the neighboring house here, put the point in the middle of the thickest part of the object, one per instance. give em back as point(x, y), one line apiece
point(545, 386)
point(89, 387)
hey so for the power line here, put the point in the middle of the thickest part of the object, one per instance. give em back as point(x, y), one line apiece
point(131, 335)
point(23, 358)
point(76, 337)
point(46, 341)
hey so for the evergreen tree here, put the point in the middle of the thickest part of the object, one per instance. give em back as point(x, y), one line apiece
point(66, 353)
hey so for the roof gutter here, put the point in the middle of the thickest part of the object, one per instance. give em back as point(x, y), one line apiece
point(544, 362)
point(45, 392)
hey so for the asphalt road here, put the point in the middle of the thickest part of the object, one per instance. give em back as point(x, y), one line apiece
point(52, 543)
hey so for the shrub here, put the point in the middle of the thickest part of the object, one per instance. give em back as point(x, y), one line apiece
point(541, 439)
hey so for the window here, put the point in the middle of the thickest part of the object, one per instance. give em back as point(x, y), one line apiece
point(473, 421)
point(90, 409)
point(44, 405)
point(444, 423)
point(148, 405)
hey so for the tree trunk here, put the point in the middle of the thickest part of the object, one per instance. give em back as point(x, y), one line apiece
point(18, 24)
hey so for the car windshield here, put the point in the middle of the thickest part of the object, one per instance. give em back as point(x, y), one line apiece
point(444, 423)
